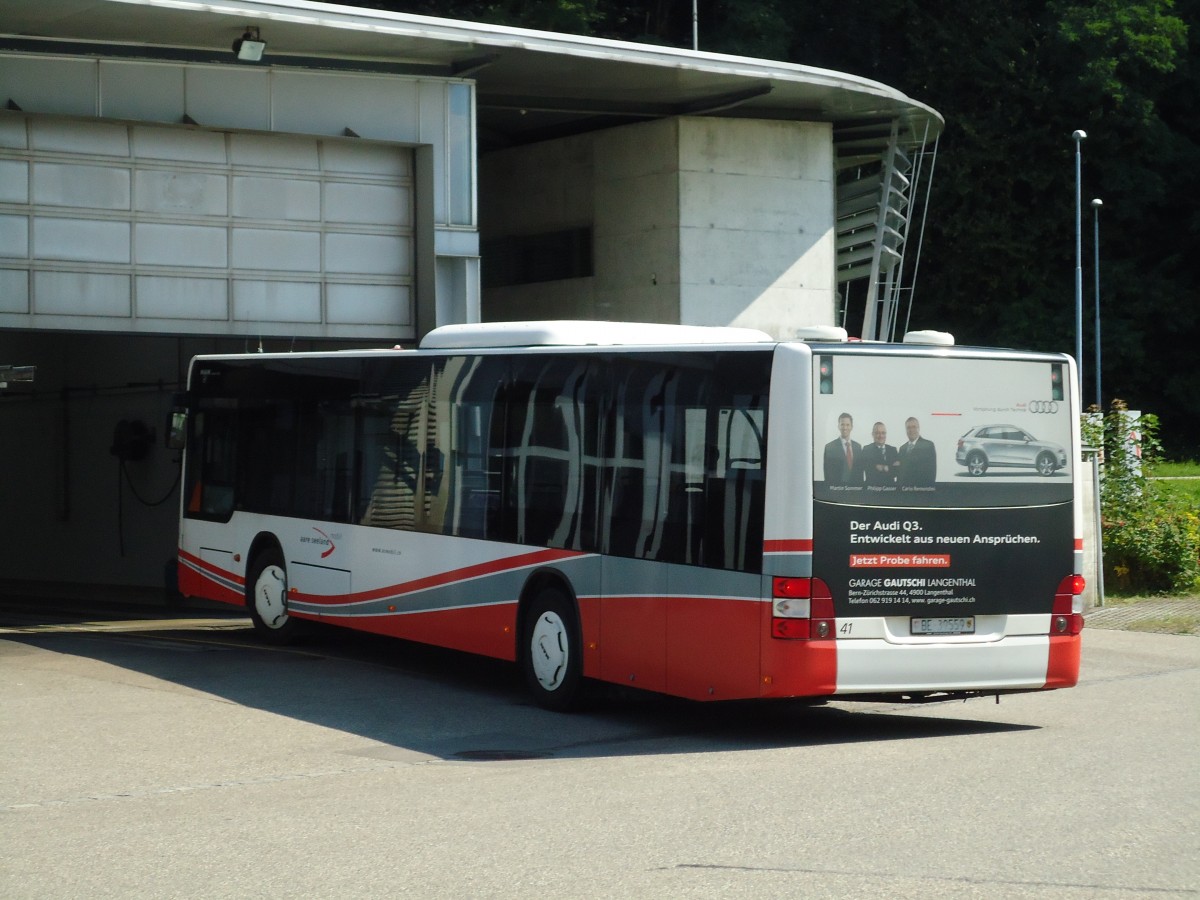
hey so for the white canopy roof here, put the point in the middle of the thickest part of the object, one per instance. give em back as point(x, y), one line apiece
point(530, 85)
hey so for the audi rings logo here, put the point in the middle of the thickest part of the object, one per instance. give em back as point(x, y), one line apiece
point(1043, 406)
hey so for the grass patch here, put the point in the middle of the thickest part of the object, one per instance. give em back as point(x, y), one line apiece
point(1175, 469)
point(1187, 492)
point(1113, 599)
point(1167, 625)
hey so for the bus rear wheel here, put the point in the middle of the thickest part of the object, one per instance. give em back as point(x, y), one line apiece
point(266, 598)
point(551, 653)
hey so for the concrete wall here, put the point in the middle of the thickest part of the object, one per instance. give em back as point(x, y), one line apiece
point(757, 231)
point(533, 190)
point(637, 226)
point(699, 221)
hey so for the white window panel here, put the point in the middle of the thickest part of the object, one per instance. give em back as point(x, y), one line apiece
point(367, 204)
point(81, 294)
point(358, 158)
point(460, 140)
point(277, 301)
point(181, 245)
point(73, 136)
point(179, 145)
point(374, 254)
point(369, 304)
point(14, 236)
point(266, 197)
point(274, 152)
point(276, 249)
point(12, 132)
point(81, 187)
point(91, 240)
point(182, 298)
point(14, 291)
point(14, 181)
point(181, 192)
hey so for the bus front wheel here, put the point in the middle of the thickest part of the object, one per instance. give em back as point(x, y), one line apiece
point(266, 598)
point(551, 651)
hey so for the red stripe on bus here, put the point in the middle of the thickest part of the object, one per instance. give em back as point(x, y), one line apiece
point(467, 573)
point(800, 545)
point(195, 583)
point(207, 566)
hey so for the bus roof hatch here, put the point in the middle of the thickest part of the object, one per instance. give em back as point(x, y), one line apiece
point(583, 333)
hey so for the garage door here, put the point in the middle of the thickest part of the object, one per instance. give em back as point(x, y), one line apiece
point(152, 228)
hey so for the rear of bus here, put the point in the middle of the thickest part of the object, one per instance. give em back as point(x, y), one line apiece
point(943, 519)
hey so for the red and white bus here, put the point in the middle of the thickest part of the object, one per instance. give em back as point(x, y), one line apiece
point(704, 512)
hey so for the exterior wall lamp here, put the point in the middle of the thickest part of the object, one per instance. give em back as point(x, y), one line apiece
point(250, 46)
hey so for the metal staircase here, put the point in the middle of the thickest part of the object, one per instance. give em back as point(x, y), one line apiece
point(880, 166)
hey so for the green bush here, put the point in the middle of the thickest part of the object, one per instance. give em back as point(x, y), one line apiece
point(1152, 550)
point(1151, 540)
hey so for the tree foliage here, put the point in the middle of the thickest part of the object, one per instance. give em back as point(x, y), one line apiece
point(1014, 79)
point(1151, 540)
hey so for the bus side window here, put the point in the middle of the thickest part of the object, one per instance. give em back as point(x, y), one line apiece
point(463, 459)
point(212, 464)
point(736, 498)
point(551, 410)
point(743, 499)
point(393, 409)
point(635, 494)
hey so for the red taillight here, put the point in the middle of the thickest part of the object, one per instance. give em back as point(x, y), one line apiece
point(1066, 616)
point(791, 629)
point(803, 609)
point(791, 587)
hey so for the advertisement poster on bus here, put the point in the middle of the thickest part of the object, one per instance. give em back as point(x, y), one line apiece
point(942, 486)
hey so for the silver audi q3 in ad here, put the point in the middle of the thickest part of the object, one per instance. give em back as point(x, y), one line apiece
point(1001, 446)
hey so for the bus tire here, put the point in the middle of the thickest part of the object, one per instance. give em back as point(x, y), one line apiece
point(1046, 465)
point(976, 463)
point(551, 651)
point(266, 598)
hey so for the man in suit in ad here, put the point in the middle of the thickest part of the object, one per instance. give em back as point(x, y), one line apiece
point(917, 462)
point(879, 458)
point(842, 463)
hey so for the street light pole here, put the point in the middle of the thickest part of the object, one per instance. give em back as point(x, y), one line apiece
point(1096, 204)
point(1078, 137)
point(695, 25)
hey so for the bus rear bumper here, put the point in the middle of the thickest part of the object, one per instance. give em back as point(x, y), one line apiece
point(1023, 662)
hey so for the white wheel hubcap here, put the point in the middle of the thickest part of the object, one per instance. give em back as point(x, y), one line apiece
point(548, 650)
point(270, 596)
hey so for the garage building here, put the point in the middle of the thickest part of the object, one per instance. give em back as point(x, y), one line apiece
point(367, 177)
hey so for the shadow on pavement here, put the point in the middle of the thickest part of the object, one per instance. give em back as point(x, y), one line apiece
point(414, 698)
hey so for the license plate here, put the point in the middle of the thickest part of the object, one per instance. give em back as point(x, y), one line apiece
point(944, 625)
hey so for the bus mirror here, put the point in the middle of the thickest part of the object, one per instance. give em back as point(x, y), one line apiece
point(177, 423)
